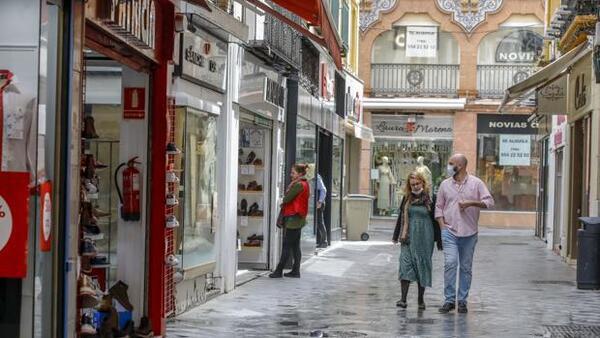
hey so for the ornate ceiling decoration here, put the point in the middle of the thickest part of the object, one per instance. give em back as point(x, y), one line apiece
point(468, 14)
point(371, 11)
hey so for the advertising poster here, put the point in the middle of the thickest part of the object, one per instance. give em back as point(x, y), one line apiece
point(515, 150)
point(14, 227)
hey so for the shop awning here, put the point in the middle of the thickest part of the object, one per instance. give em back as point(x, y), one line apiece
point(314, 13)
point(545, 75)
point(370, 103)
point(200, 3)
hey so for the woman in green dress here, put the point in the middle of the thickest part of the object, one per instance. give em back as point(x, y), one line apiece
point(416, 230)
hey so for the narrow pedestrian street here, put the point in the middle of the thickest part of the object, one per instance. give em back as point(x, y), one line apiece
point(519, 289)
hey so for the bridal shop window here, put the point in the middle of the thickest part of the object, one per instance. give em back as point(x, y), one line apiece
point(406, 143)
point(508, 160)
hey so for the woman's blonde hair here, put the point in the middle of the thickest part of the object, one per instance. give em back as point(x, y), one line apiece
point(415, 176)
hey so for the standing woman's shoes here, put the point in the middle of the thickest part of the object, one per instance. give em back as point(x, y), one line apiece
point(401, 304)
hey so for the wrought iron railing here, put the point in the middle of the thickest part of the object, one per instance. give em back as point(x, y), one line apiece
point(414, 79)
point(493, 80)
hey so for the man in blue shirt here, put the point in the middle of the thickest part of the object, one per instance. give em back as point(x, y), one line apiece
point(321, 194)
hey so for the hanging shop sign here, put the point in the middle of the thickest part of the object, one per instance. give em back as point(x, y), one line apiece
point(46, 216)
point(354, 98)
point(327, 83)
point(520, 47)
point(133, 19)
point(421, 41)
point(515, 150)
point(580, 87)
point(134, 103)
point(560, 124)
point(14, 224)
point(203, 60)
point(506, 124)
point(391, 126)
point(552, 98)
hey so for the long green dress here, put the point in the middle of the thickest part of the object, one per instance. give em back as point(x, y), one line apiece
point(415, 257)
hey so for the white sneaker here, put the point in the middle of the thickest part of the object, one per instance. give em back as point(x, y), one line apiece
point(172, 200)
point(171, 260)
point(172, 222)
point(171, 177)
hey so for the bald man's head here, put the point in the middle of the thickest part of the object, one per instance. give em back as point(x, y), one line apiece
point(460, 159)
point(458, 162)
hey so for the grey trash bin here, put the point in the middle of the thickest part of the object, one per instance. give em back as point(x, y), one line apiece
point(588, 257)
point(358, 216)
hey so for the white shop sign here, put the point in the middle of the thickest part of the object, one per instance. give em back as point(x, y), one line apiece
point(421, 41)
point(515, 150)
point(203, 59)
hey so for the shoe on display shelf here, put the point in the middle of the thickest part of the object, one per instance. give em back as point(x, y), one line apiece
point(88, 248)
point(172, 260)
point(106, 304)
point(258, 162)
point(88, 293)
point(251, 157)
point(253, 209)
point(119, 293)
point(99, 261)
point(89, 130)
point(91, 229)
point(145, 328)
point(86, 264)
point(172, 149)
point(127, 332)
point(244, 207)
point(87, 326)
point(172, 177)
point(172, 200)
point(172, 222)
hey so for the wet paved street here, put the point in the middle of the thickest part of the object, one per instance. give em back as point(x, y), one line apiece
point(519, 288)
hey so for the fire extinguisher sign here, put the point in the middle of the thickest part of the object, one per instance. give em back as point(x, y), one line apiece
point(14, 225)
point(134, 103)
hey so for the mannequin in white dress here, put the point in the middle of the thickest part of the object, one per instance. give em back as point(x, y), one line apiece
point(424, 170)
point(386, 180)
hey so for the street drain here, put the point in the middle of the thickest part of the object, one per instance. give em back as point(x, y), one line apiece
point(571, 331)
point(553, 282)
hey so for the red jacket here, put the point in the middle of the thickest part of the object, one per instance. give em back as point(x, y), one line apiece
point(299, 205)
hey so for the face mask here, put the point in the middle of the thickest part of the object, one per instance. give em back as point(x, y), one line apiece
point(451, 170)
point(417, 192)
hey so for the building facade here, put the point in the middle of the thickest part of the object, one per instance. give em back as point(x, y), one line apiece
point(435, 73)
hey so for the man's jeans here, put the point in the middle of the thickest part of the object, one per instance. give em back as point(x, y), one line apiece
point(457, 250)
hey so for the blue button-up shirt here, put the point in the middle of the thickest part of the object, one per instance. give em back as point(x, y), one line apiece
point(321, 190)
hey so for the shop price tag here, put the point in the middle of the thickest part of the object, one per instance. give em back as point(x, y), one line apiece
point(244, 221)
point(251, 170)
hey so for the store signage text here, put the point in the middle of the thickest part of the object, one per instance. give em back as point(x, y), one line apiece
point(203, 59)
point(423, 126)
point(552, 99)
point(421, 41)
point(521, 47)
point(505, 124)
point(580, 92)
point(132, 18)
point(515, 150)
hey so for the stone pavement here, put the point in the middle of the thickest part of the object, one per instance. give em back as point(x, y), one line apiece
point(519, 289)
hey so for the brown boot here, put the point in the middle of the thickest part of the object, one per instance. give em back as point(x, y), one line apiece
point(89, 130)
point(105, 304)
point(119, 292)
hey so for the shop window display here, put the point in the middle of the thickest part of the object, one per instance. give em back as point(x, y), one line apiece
point(393, 160)
point(336, 184)
point(196, 133)
point(253, 192)
point(511, 177)
point(306, 152)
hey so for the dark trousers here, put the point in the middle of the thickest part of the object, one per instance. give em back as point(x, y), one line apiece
point(322, 231)
point(291, 244)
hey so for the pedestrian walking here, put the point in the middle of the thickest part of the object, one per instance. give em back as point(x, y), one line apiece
point(416, 230)
point(321, 194)
point(293, 211)
point(459, 200)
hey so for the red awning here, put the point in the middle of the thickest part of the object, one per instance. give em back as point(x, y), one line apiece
point(313, 12)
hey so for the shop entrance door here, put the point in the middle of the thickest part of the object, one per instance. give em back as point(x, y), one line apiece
point(325, 161)
point(254, 178)
point(540, 230)
point(579, 185)
point(556, 233)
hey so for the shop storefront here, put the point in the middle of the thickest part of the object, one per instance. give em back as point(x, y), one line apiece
point(261, 102)
point(403, 144)
point(31, 236)
point(508, 159)
point(198, 91)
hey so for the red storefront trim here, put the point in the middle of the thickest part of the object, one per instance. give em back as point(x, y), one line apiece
point(165, 31)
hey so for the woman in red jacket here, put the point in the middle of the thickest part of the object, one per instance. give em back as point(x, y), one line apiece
point(293, 210)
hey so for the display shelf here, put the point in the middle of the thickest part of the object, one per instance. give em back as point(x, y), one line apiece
point(251, 247)
point(94, 237)
point(251, 192)
point(256, 167)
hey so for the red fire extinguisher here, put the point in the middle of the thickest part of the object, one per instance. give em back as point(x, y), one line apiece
point(130, 198)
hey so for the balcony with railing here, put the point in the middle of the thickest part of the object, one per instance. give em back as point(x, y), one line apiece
point(423, 80)
point(493, 80)
point(273, 38)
